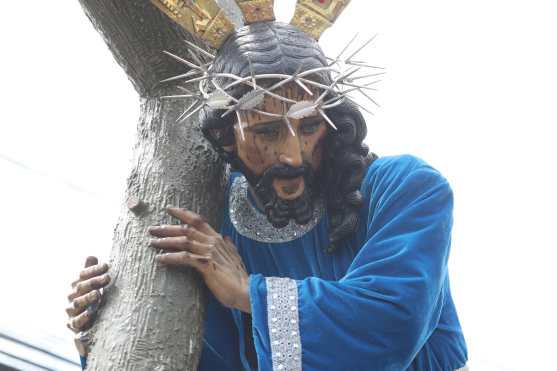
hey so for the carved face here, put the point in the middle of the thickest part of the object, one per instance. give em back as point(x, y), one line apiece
point(267, 141)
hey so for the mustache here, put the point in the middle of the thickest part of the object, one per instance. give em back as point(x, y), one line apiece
point(278, 211)
point(284, 171)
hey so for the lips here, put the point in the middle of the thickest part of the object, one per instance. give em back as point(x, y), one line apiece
point(289, 188)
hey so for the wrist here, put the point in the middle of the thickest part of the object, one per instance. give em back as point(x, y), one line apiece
point(244, 302)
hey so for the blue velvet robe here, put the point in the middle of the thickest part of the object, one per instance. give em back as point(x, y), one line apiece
point(382, 302)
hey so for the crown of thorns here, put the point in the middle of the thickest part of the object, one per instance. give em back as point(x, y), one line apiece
point(214, 90)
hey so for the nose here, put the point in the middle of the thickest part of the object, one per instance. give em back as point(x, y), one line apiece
point(291, 152)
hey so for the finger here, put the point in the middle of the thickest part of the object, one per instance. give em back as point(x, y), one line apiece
point(181, 244)
point(170, 243)
point(84, 287)
point(200, 249)
point(78, 305)
point(93, 271)
point(178, 231)
point(181, 259)
point(91, 260)
point(168, 230)
point(193, 219)
point(80, 322)
point(195, 235)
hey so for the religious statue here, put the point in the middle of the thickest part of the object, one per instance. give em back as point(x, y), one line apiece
point(328, 257)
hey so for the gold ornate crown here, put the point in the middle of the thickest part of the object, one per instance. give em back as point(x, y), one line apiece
point(203, 18)
point(315, 16)
point(257, 10)
point(206, 19)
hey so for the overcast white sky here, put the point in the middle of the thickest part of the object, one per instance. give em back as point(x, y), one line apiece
point(471, 88)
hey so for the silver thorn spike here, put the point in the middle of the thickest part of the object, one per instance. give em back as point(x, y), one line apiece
point(182, 60)
point(189, 92)
point(200, 63)
point(236, 107)
point(201, 50)
point(182, 76)
point(314, 83)
point(361, 48)
point(300, 83)
point(289, 125)
point(368, 97)
point(363, 64)
point(318, 69)
point(334, 83)
point(265, 113)
point(240, 126)
point(178, 96)
point(359, 105)
point(334, 99)
point(279, 97)
point(303, 86)
point(366, 76)
point(193, 112)
point(345, 92)
point(219, 88)
point(357, 86)
point(338, 102)
point(345, 48)
point(324, 115)
point(229, 111)
point(197, 79)
point(183, 88)
point(179, 119)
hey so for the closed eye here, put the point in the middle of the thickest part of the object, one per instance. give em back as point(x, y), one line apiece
point(310, 127)
point(268, 131)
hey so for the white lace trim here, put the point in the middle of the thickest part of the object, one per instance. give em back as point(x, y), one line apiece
point(284, 329)
point(253, 224)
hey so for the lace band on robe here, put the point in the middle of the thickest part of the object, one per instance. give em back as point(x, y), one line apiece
point(251, 223)
point(284, 330)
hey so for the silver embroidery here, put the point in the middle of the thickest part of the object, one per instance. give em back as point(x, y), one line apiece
point(253, 224)
point(284, 329)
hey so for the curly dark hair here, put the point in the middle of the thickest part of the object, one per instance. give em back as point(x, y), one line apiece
point(273, 47)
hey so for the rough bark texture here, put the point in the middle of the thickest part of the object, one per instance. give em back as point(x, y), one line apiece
point(152, 317)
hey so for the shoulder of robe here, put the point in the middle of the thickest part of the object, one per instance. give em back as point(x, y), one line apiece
point(397, 175)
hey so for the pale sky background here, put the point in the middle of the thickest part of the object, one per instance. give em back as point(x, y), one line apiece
point(471, 88)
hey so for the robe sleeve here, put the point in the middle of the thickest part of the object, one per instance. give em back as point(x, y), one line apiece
point(381, 313)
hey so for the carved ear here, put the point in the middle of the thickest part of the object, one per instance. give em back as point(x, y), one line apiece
point(229, 149)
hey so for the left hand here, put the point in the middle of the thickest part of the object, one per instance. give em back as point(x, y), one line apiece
point(196, 244)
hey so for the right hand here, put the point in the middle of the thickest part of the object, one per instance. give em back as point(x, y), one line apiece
point(86, 295)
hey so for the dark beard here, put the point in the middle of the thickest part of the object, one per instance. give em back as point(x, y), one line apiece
point(279, 212)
